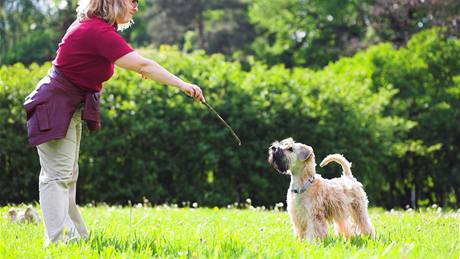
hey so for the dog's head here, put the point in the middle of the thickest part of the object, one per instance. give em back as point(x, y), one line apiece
point(288, 156)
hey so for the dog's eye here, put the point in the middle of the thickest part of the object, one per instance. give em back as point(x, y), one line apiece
point(290, 149)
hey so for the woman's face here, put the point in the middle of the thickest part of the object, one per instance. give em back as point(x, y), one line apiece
point(132, 9)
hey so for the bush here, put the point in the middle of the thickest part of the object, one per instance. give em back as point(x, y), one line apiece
point(159, 144)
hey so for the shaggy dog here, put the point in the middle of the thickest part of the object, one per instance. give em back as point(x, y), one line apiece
point(313, 201)
point(28, 215)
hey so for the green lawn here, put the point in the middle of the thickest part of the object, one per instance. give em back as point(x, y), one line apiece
point(227, 233)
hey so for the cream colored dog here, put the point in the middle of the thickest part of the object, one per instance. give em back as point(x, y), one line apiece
point(313, 201)
point(28, 215)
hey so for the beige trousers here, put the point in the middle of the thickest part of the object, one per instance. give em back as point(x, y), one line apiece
point(57, 185)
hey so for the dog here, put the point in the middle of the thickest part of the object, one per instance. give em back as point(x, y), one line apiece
point(29, 215)
point(312, 201)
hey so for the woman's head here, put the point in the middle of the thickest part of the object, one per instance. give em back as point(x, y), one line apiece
point(118, 12)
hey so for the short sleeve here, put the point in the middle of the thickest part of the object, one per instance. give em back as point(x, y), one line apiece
point(111, 45)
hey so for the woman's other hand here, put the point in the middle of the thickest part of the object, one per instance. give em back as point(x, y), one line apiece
point(193, 91)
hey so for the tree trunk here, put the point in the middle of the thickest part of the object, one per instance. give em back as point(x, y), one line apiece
point(200, 26)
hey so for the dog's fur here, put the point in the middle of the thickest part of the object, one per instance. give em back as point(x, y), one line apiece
point(29, 215)
point(313, 201)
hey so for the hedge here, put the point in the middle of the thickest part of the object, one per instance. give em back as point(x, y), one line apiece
point(393, 113)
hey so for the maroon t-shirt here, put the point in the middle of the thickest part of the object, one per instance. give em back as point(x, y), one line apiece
point(87, 52)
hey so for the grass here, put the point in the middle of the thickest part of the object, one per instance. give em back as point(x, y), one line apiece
point(169, 232)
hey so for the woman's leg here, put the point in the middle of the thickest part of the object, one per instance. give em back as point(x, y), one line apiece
point(57, 160)
point(74, 213)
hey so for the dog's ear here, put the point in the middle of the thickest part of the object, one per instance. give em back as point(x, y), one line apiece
point(303, 151)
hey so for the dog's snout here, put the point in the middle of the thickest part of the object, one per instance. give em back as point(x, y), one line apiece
point(278, 152)
point(273, 148)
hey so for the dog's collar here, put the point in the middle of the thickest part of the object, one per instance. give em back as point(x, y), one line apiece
point(305, 186)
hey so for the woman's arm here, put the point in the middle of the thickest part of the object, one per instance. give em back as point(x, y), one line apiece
point(152, 70)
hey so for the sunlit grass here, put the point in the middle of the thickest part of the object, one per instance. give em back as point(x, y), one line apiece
point(171, 232)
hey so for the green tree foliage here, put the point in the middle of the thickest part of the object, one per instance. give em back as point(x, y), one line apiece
point(18, 171)
point(425, 73)
point(215, 26)
point(397, 20)
point(314, 32)
point(30, 30)
point(157, 143)
point(307, 32)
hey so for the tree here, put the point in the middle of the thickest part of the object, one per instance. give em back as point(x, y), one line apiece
point(313, 32)
point(30, 30)
point(215, 26)
point(307, 32)
point(397, 20)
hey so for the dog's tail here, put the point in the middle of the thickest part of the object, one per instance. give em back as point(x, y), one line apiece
point(339, 159)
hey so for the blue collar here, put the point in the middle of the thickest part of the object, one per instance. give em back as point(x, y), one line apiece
point(305, 186)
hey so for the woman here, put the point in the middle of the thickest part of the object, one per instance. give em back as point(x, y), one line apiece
point(69, 93)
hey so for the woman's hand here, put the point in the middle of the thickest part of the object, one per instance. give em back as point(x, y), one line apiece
point(193, 91)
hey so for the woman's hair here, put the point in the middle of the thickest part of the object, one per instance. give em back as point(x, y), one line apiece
point(107, 10)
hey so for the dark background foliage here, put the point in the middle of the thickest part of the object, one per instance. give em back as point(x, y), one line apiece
point(292, 32)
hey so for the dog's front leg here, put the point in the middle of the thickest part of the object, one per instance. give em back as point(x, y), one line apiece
point(300, 226)
point(318, 228)
point(300, 232)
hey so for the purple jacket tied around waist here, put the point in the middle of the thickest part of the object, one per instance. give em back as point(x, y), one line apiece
point(51, 105)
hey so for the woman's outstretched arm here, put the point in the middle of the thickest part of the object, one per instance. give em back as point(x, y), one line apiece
point(152, 70)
